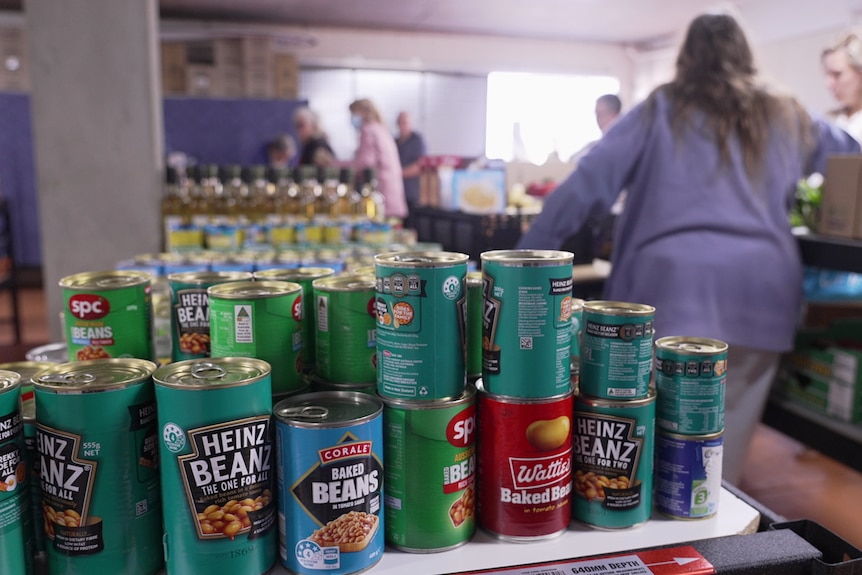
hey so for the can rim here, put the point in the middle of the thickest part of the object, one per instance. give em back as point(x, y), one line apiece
point(624, 308)
point(293, 274)
point(317, 419)
point(526, 256)
point(253, 289)
point(687, 437)
point(189, 373)
point(83, 377)
point(346, 283)
point(207, 277)
point(691, 345)
point(624, 403)
point(105, 280)
point(9, 380)
point(465, 397)
point(480, 387)
point(420, 259)
point(59, 347)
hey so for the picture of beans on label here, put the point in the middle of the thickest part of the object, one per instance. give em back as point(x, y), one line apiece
point(463, 508)
point(12, 481)
point(350, 532)
point(232, 517)
point(194, 342)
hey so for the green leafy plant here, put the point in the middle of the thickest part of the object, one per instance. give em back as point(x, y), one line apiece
point(806, 205)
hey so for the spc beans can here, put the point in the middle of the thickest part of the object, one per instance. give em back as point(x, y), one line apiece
point(330, 482)
point(218, 469)
point(527, 322)
point(613, 461)
point(304, 276)
point(27, 369)
point(345, 334)
point(430, 454)
point(616, 349)
point(688, 474)
point(108, 314)
point(96, 433)
point(190, 311)
point(524, 463)
point(690, 378)
point(16, 520)
point(263, 320)
point(473, 340)
point(421, 312)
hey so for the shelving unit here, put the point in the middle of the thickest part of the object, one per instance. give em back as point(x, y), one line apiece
point(840, 441)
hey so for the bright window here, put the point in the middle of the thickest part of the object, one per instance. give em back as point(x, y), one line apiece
point(531, 116)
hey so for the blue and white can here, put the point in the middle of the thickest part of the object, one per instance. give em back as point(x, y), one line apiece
point(688, 474)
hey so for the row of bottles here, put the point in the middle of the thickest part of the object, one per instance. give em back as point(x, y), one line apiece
point(227, 207)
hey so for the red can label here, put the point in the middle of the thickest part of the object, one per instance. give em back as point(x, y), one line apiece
point(524, 466)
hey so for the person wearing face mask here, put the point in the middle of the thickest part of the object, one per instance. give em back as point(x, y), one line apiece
point(842, 63)
point(377, 150)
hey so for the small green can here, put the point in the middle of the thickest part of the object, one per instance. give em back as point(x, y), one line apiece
point(27, 369)
point(346, 335)
point(16, 529)
point(616, 349)
point(108, 314)
point(474, 324)
point(690, 378)
point(97, 437)
point(430, 455)
point(421, 315)
point(190, 311)
point(217, 465)
point(303, 276)
point(612, 448)
point(263, 320)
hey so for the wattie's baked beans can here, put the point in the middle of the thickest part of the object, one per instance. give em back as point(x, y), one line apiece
point(524, 466)
point(304, 276)
point(190, 311)
point(616, 349)
point(688, 474)
point(27, 369)
point(430, 454)
point(690, 378)
point(96, 433)
point(263, 320)
point(16, 521)
point(330, 482)
point(345, 328)
point(613, 458)
point(421, 315)
point(475, 303)
point(527, 322)
point(108, 314)
point(218, 469)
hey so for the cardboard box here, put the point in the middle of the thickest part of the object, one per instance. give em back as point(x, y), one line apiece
point(286, 76)
point(841, 210)
point(202, 80)
point(173, 55)
point(231, 82)
point(228, 52)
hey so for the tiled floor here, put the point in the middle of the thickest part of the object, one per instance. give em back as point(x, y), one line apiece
point(782, 474)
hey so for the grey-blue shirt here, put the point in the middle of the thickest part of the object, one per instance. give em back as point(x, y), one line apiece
point(707, 245)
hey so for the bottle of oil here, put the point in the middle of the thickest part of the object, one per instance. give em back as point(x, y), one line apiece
point(280, 228)
point(225, 234)
point(172, 207)
point(309, 190)
point(328, 178)
point(253, 207)
point(348, 196)
point(371, 204)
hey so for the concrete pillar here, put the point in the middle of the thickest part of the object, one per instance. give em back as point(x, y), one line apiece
point(97, 130)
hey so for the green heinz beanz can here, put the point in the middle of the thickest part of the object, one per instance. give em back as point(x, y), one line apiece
point(96, 433)
point(190, 312)
point(263, 320)
point(16, 529)
point(217, 465)
point(474, 324)
point(430, 455)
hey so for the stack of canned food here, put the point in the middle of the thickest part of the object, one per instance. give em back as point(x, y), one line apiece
point(525, 395)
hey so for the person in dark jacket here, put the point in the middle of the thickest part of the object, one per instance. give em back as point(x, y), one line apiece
point(316, 150)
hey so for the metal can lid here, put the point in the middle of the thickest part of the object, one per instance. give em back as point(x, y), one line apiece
point(421, 259)
point(26, 369)
point(618, 308)
point(326, 409)
point(253, 289)
point(466, 397)
point(346, 283)
point(691, 345)
point(51, 353)
point(93, 376)
point(528, 257)
point(106, 280)
point(211, 372)
point(292, 275)
point(618, 403)
point(9, 380)
point(209, 277)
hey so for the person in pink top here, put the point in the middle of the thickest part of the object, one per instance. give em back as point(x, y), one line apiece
point(377, 150)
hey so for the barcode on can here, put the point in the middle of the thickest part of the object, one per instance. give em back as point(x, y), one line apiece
point(526, 343)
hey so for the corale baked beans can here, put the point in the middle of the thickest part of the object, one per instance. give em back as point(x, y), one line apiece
point(613, 458)
point(616, 349)
point(688, 474)
point(190, 310)
point(690, 378)
point(96, 433)
point(108, 314)
point(430, 454)
point(475, 302)
point(263, 320)
point(16, 521)
point(526, 331)
point(345, 328)
point(27, 369)
point(524, 473)
point(330, 482)
point(421, 316)
point(218, 469)
point(303, 276)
